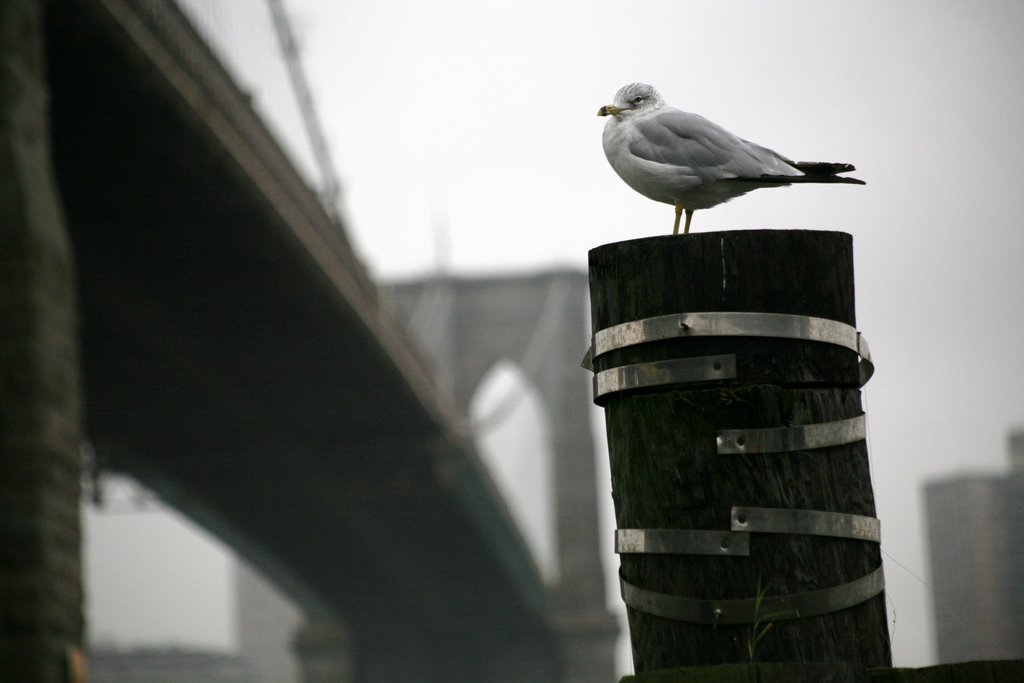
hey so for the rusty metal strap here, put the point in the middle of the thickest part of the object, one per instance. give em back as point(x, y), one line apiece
point(733, 324)
point(681, 542)
point(663, 373)
point(750, 610)
point(786, 439)
point(806, 522)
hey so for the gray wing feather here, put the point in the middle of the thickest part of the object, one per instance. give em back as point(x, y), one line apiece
point(681, 139)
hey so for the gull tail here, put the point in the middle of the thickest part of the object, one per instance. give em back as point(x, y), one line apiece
point(826, 172)
point(814, 172)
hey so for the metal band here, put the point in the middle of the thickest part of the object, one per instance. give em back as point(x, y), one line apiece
point(747, 610)
point(659, 373)
point(808, 522)
point(681, 542)
point(785, 439)
point(866, 365)
point(734, 324)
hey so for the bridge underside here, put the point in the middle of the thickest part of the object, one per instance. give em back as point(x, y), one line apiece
point(224, 368)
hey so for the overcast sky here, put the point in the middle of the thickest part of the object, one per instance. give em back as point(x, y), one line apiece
point(466, 138)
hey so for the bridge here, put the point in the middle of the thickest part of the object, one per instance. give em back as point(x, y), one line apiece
point(182, 300)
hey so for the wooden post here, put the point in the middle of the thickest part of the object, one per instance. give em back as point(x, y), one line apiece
point(668, 473)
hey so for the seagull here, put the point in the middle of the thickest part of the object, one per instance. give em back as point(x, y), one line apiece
point(685, 160)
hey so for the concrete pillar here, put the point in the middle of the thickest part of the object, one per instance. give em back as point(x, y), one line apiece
point(40, 568)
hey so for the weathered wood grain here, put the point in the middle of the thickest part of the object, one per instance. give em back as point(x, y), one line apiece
point(665, 469)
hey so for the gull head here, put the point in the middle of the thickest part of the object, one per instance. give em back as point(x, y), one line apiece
point(633, 99)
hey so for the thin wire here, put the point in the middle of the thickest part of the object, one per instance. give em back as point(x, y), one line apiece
point(931, 589)
point(331, 189)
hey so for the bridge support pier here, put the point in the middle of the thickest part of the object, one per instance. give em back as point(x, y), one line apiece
point(40, 569)
point(325, 652)
point(589, 639)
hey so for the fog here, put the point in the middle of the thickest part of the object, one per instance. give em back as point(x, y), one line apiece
point(467, 141)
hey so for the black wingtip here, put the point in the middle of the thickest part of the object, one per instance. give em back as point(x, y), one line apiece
point(795, 179)
point(825, 172)
point(823, 169)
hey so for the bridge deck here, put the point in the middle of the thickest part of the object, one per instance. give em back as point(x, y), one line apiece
point(235, 358)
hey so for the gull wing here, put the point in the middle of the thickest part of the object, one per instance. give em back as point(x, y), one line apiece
point(680, 139)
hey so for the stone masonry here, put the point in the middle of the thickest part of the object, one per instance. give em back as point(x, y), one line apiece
point(40, 424)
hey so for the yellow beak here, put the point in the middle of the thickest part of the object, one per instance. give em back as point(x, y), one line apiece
point(609, 110)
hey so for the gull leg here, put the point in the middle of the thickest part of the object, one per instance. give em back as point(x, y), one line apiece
point(689, 215)
point(679, 212)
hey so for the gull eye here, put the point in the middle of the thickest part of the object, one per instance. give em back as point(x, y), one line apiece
point(638, 99)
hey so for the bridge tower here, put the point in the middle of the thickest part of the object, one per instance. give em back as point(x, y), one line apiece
point(468, 325)
point(41, 624)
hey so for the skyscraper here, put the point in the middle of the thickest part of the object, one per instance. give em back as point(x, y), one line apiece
point(976, 541)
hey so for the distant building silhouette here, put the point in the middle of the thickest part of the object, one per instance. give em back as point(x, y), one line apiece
point(976, 540)
point(165, 665)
